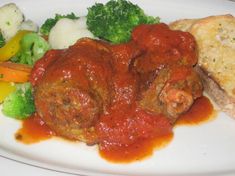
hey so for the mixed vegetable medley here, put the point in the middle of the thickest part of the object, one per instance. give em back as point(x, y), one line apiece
point(22, 43)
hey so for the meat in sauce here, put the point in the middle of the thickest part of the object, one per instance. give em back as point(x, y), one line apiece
point(118, 95)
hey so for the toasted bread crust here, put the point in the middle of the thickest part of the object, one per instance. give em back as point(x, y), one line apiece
point(216, 93)
point(183, 25)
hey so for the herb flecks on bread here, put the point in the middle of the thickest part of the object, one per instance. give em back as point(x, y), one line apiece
point(215, 37)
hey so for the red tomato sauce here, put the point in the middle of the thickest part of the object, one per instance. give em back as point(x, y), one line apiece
point(33, 130)
point(201, 111)
point(141, 149)
point(154, 132)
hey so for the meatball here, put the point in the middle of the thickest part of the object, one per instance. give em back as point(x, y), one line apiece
point(172, 92)
point(74, 90)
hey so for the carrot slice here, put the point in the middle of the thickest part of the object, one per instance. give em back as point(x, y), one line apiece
point(13, 72)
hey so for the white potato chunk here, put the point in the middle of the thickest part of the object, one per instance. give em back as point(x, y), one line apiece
point(67, 31)
point(10, 19)
point(29, 25)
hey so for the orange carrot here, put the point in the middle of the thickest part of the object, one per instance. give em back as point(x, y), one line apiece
point(13, 72)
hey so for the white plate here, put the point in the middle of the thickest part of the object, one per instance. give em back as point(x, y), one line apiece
point(208, 149)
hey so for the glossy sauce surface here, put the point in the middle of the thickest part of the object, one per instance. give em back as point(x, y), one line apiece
point(201, 111)
point(33, 130)
point(132, 134)
point(137, 151)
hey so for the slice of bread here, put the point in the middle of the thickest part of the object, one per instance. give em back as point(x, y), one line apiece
point(215, 36)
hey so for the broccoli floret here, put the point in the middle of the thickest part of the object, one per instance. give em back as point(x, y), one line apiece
point(19, 104)
point(32, 48)
point(50, 22)
point(115, 20)
point(2, 41)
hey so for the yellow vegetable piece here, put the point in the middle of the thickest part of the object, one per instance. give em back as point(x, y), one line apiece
point(5, 89)
point(12, 46)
